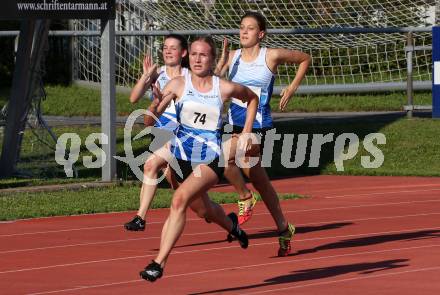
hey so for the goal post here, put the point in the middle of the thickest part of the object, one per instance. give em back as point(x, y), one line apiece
point(436, 72)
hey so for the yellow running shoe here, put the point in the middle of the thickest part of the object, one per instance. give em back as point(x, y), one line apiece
point(245, 209)
point(284, 240)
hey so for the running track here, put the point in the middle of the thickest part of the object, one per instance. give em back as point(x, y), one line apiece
point(355, 235)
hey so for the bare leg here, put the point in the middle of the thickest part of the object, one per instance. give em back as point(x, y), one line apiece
point(152, 166)
point(149, 186)
point(262, 184)
point(162, 236)
point(233, 173)
point(170, 178)
point(190, 189)
point(206, 208)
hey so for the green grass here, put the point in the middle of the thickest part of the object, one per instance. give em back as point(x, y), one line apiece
point(86, 102)
point(78, 101)
point(37, 161)
point(411, 147)
point(349, 103)
point(111, 199)
point(21, 182)
point(38, 166)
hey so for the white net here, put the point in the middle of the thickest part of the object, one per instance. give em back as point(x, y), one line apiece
point(336, 58)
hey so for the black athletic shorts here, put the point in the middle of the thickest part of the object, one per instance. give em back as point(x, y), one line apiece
point(187, 168)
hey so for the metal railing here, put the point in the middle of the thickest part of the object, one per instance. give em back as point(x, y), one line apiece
point(409, 86)
point(410, 49)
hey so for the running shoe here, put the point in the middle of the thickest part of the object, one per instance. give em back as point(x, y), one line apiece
point(284, 240)
point(137, 224)
point(152, 272)
point(237, 232)
point(246, 208)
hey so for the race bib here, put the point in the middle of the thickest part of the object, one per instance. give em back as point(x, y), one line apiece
point(200, 116)
point(256, 90)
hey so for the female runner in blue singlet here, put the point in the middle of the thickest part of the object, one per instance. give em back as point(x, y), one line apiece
point(255, 67)
point(199, 100)
point(175, 57)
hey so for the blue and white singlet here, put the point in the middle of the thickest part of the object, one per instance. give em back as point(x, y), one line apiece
point(198, 137)
point(259, 78)
point(168, 119)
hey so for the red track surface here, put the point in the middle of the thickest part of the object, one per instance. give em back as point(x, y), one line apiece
point(355, 235)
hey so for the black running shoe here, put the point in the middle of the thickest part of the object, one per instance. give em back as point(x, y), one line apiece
point(237, 232)
point(152, 272)
point(137, 224)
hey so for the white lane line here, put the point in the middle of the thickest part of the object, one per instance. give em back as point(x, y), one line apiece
point(242, 267)
point(383, 193)
point(369, 188)
point(255, 214)
point(123, 258)
point(215, 232)
point(348, 280)
point(214, 249)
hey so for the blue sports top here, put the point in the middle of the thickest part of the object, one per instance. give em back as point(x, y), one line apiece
point(259, 78)
point(198, 137)
point(168, 119)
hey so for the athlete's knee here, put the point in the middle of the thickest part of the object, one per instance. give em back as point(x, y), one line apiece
point(151, 166)
point(179, 201)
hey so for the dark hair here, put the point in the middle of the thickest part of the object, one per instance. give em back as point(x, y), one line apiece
point(184, 44)
point(258, 17)
point(209, 41)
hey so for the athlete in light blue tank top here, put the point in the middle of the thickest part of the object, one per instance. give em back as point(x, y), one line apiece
point(254, 66)
point(258, 77)
point(198, 135)
point(168, 120)
point(174, 55)
point(199, 101)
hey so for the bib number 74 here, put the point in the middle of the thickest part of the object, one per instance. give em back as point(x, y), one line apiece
point(199, 117)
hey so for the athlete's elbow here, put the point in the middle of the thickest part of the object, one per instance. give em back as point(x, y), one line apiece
point(254, 99)
point(148, 120)
point(307, 60)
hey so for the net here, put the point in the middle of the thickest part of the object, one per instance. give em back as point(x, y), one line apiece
point(336, 58)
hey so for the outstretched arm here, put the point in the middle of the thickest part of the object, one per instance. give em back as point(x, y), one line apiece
point(148, 77)
point(303, 60)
